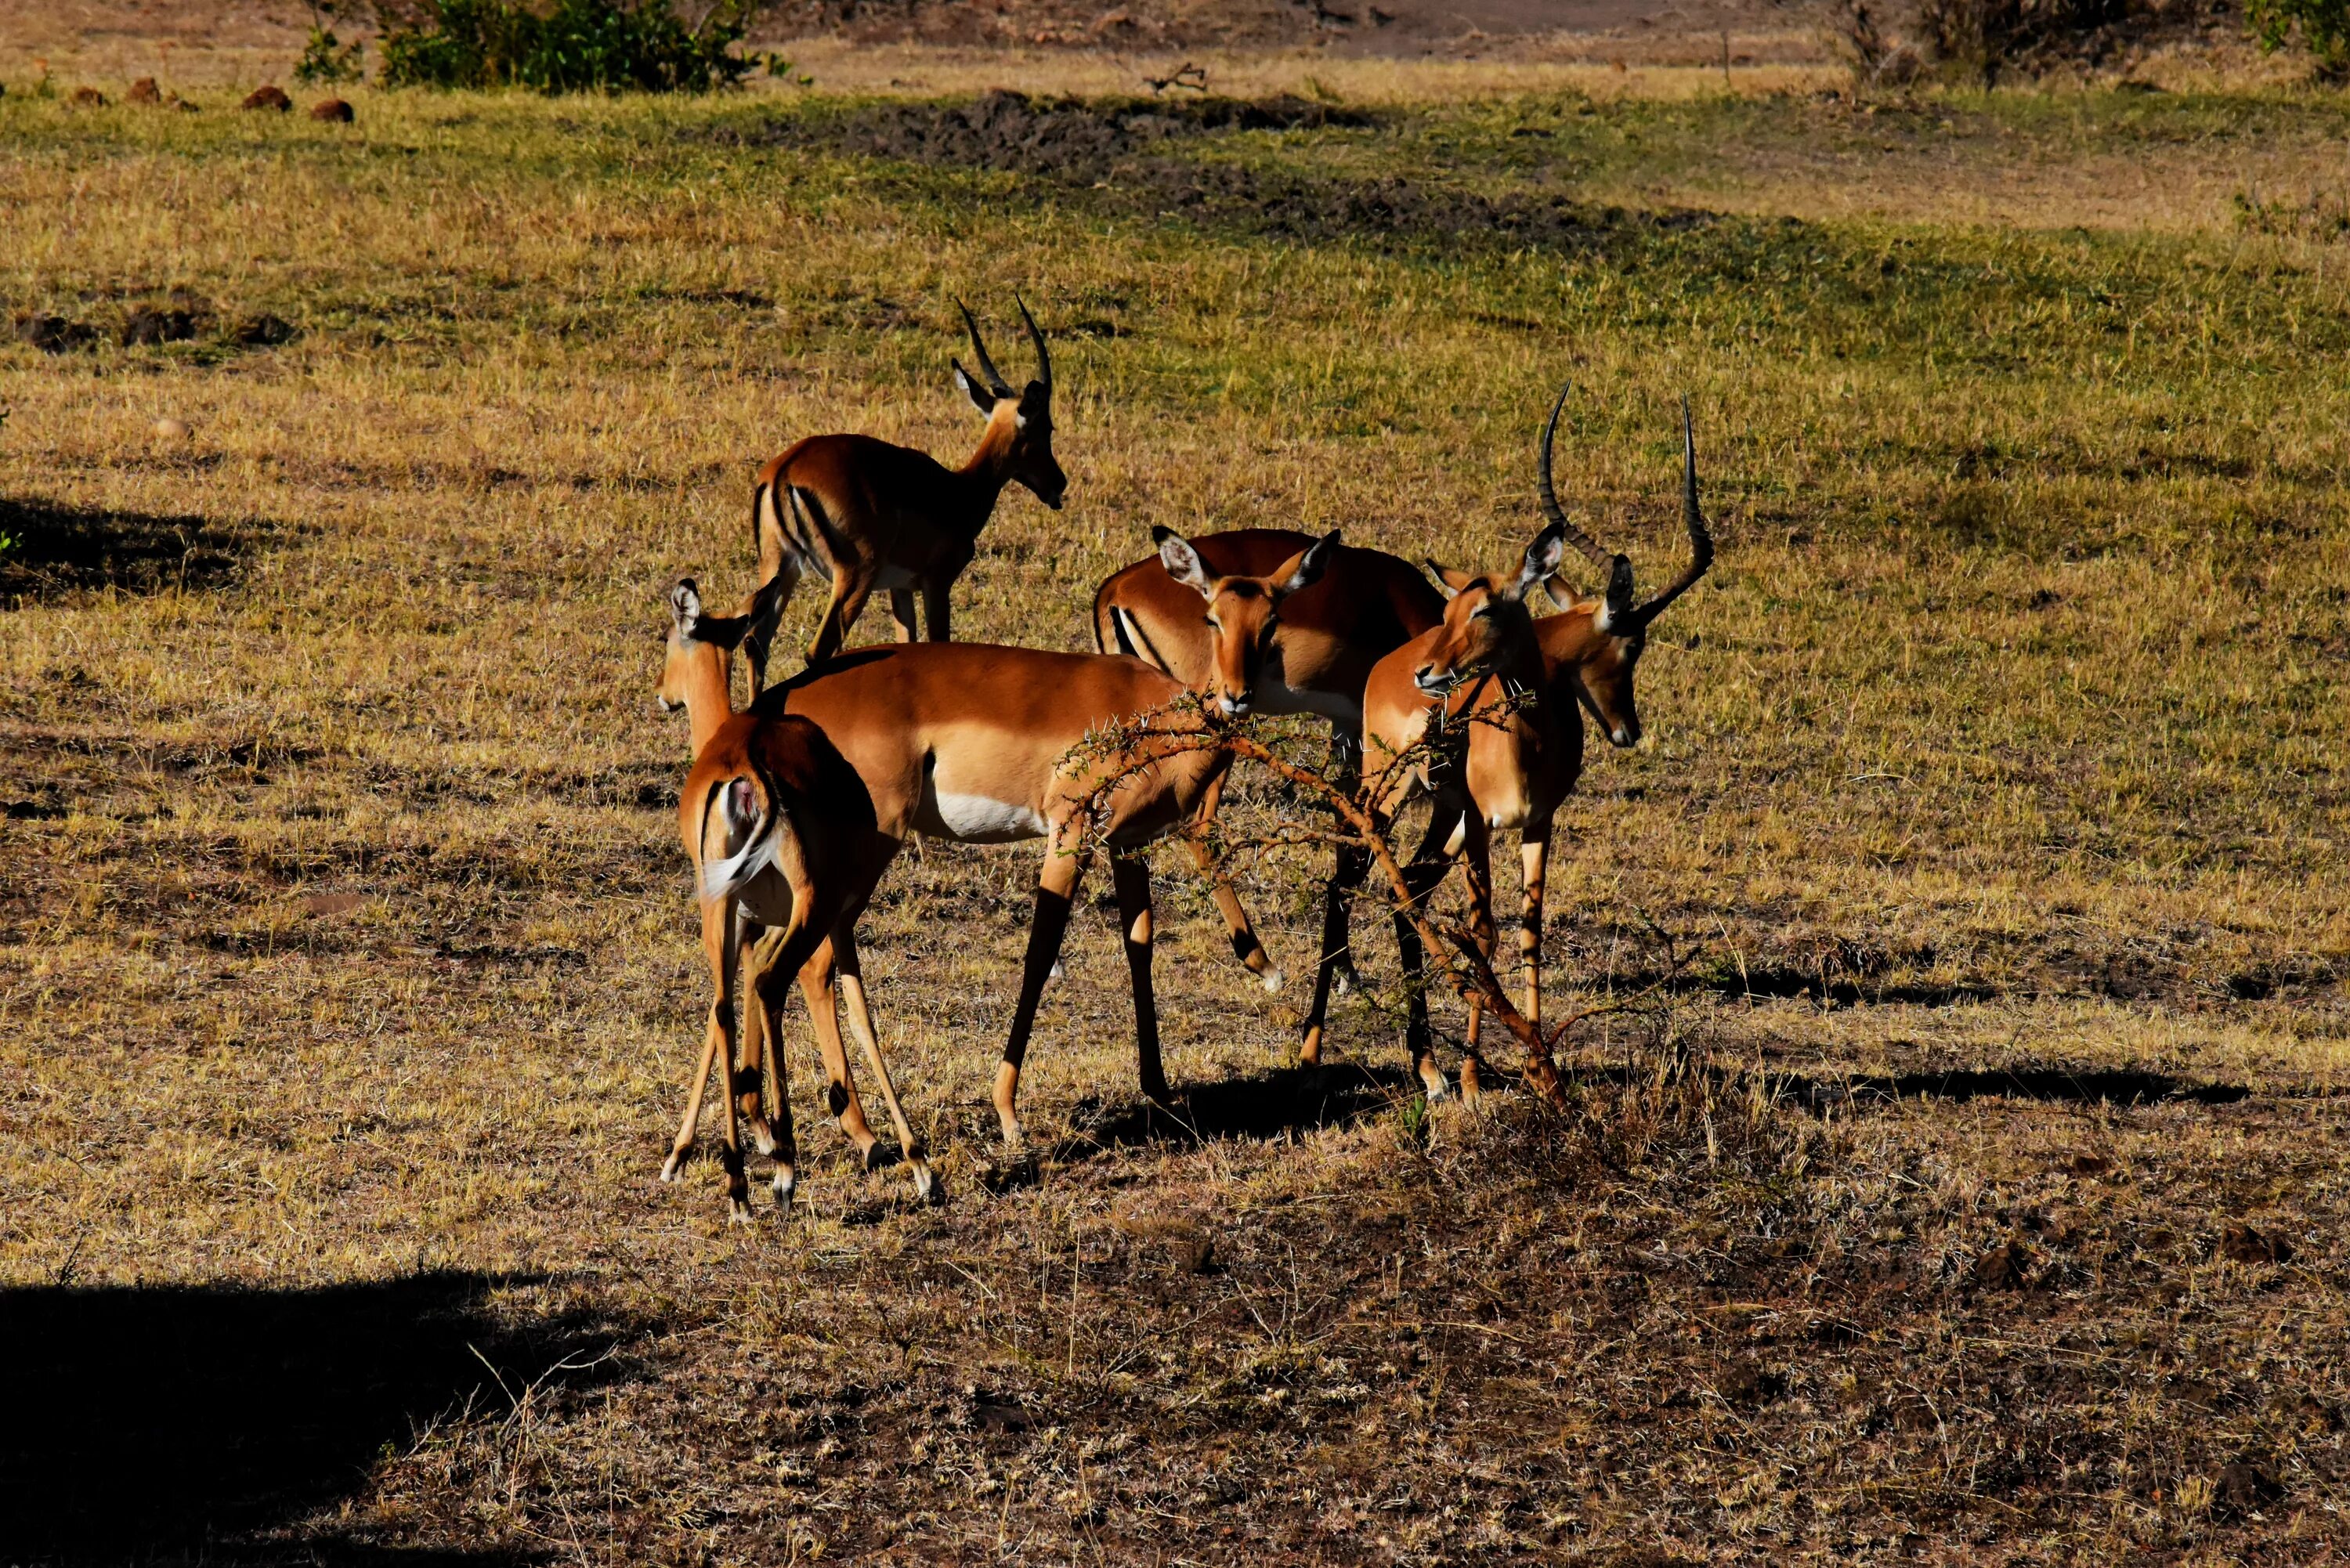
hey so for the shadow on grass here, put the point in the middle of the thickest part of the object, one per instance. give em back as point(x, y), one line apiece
point(57, 548)
point(179, 1423)
point(1259, 1106)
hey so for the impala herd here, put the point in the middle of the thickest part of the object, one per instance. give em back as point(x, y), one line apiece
point(796, 805)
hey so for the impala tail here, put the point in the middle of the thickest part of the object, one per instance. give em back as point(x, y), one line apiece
point(745, 801)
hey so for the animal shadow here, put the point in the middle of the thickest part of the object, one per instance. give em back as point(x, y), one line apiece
point(1258, 1105)
point(180, 1423)
point(57, 548)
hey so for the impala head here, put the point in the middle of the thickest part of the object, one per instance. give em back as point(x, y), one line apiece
point(1243, 613)
point(1486, 624)
point(1602, 663)
point(701, 643)
point(1021, 422)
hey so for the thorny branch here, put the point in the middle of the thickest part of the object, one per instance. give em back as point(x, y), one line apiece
point(1188, 725)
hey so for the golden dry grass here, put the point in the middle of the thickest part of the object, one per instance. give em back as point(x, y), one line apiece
point(344, 946)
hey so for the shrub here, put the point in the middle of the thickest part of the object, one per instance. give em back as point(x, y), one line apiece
point(326, 59)
point(579, 45)
point(1987, 37)
point(2321, 27)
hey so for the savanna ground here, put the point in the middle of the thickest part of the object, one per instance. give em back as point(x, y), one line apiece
point(1971, 1194)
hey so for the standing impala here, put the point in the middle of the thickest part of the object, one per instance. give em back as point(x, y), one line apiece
point(868, 514)
point(785, 854)
point(1509, 689)
point(1292, 624)
point(983, 745)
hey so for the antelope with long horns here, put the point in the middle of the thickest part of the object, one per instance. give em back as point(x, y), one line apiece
point(871, 515)
point(1502, 695)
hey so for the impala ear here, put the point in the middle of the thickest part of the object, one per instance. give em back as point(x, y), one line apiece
point(1447, 581)
point(1561, 593)
point(1541, 560)
point(1306, 569)
point(685, 606)
point(1182, 562)
point(981, 398)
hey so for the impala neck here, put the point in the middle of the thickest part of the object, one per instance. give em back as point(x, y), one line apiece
point(708, 692)
point(989, 469)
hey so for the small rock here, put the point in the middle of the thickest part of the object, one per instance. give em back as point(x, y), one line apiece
point(332, 903)
point(148, 324)
point(262, 331)
point(2243, 1244)
point(87, 97)
point(332, 109)
point(170, 429)
point(144, 91)
point(2090, 1165)
point(267, 96)
point(1195, 1254)
point(2245, 1487)
point(2002, 1267)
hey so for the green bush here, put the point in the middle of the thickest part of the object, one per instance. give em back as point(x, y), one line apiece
point(326, 59)
point(2321, 27)
point(579, 45)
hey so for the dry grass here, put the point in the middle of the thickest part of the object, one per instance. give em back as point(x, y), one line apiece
point(345, 969)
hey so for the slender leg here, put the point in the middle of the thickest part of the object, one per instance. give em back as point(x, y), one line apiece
point(1331, 967)
point(683, 1143)
point(817, 989)
point(1533, 861)
point(1477, 861)
point(935, 609)
point(1421, 878)
point(718, 1047)
point(760, 640)
point(1131, 879)
point(758, 1048)
point(901, 610)
point(1057, 890)
point(1245, 946)
point(1346, 768)
point(849, 593)
point(860, 1022)
point(782, 955)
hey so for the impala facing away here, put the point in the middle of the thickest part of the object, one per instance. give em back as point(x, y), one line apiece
point(983, 745)
point(867, 514)
point(785, 856)
point(1293, 624)
point(1508, 689)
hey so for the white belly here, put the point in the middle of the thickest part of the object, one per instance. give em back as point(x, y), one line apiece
point(979, 819)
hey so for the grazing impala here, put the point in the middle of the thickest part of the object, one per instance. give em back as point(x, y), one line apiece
point(868, 514)
point(1508, 687)
point(984, 744)
point(785, 854)
point(1292, 625)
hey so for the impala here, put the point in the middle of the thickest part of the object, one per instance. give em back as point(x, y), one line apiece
point(981, 745)
point(785, 856)
point(869, 515)
point(1509, 689)
point(1266, 620)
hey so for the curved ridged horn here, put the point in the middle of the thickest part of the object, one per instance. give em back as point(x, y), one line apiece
point(1604, 560)
point(996, 381)
point(1701, 537)
point(1044, 358)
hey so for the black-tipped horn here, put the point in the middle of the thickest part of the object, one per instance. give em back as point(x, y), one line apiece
point(1700, 536)
point(996, 381)
point(1043, 357)
point(1604, 560)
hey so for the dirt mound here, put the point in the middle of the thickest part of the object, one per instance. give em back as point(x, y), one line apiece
point(1068, 138)
point(1117, 154)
